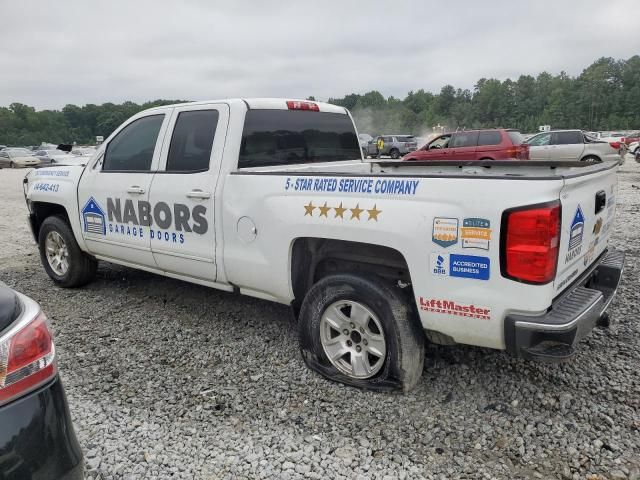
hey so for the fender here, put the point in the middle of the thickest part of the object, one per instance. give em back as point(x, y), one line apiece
point(57, 185)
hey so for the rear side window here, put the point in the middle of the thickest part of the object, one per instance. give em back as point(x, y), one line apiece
point(516, 137)
point(284, 137)
point(191, 141)
point(491, 137)
point(464, 139)
point(566, 138)
point(406, 139)
point(132, 148)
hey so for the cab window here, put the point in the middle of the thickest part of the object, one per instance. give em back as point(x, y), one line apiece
point(285, 137)
point(192, 140)
point(132, 148)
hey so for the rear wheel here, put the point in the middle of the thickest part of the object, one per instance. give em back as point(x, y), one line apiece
point(395, 153)
point(362, 332)
point(64, 262)
point(12, 165)
point(590, 158)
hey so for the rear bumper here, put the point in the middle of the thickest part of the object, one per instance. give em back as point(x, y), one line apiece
point(554, 335)
point(37, 439)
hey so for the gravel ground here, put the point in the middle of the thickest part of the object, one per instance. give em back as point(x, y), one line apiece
point(170, 380)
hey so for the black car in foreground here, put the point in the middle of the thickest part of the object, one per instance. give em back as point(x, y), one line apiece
point(37, 440)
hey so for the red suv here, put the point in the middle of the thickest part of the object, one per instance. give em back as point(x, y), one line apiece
point(497, 144)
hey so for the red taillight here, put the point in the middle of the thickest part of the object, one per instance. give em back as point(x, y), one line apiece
point(298, 105)
point(615, 145)
point(27, 359)
point(530, 243)
point(519, 152)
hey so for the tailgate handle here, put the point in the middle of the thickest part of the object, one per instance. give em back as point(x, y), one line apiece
point(601, 201)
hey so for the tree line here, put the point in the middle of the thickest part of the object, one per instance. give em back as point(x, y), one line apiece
point(605, 96)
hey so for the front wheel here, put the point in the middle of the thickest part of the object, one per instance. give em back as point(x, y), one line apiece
point(12, 165)
point(395, 154)
point(64, 262)
point(362, 332)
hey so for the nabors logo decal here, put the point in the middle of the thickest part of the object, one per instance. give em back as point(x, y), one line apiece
point(93, 218)
point(451, 307)
point(575, 235)
point(160, 221)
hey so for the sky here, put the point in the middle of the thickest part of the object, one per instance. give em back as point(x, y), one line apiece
point(82, 51)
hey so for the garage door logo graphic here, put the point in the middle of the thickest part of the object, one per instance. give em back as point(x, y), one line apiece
point(93, 218)
point(577, 229)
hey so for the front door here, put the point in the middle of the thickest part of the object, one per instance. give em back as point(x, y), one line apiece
point(113, 194)
point(182, 193)
point(539, 147)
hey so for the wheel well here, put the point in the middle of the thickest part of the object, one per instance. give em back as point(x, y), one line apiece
point(315, 258)
point(41, 210)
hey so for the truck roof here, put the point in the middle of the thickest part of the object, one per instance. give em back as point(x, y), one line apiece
point(261, 104)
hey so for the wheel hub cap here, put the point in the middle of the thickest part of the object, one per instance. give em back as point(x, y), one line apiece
point(353, 339)
point(57, 253)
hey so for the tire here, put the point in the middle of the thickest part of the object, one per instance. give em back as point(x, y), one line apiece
point(395, 153)
point(383, 328)
point(80, 267)
point(12, 165)
point(591, 158)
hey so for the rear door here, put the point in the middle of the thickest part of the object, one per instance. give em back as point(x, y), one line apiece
point(489, 141)
point(463, 145)
point(566, 146)
point(588, 211)
point(182, 193)
point(539, 146)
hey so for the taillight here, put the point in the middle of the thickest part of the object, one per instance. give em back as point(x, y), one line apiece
point(615, 145)
point(298, 105)
point(27, 359)
point(530, 240)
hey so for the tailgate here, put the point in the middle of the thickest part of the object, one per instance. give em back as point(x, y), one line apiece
point(588, 209)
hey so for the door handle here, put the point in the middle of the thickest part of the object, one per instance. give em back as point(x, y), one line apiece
point(197, 193)
point(135, 189)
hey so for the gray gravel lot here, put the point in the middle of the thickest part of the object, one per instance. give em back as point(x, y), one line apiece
point(170, 380)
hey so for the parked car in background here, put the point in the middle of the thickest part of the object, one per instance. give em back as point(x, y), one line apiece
point(83, 151)
point(37, 440)
point(2, 147)
point(633, 148)
point(50, 157)
point(571, 145)
point(17, 158)
point(394, 145)
point(632, 137)
point(494, 144)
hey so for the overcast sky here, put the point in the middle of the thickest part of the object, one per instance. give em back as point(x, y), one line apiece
point(82, 51)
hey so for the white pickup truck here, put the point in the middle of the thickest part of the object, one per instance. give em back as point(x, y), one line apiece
point(271, 198)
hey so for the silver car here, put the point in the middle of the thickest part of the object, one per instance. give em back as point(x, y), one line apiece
point(394, 145)
point(18, 158)
point(570, 145)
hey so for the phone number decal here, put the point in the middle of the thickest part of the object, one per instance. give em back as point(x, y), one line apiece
point(47, 187)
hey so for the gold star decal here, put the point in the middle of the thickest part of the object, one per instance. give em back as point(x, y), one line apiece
point(308, 209)
point(373, 213)
point(324, 210)
point(339, 211)
point(355, 212)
